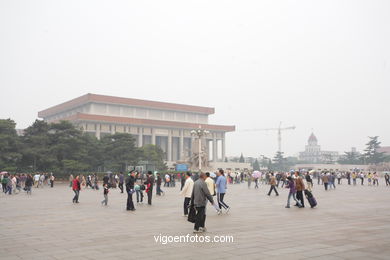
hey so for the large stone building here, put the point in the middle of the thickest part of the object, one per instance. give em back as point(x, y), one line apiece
point(167, 125)
point(313, 153)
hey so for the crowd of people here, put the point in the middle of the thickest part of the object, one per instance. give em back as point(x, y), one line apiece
point(197, 188)
point(15, 183)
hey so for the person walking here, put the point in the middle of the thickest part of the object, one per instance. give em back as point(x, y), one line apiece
point(139, 188)
point(52, 180)
point(339, 178)
point(105, 194)
point(121, 181)
point(149, 187)
point(200, 195)
point(4, 182)
point(76, 189)
point(211, 186)
point(249, 181)
point(272, 182)
point(28, 184)
point(221, 185)
point(291, 186)
point(36, 180)
point(187, 192)
point(158, 185)
point(309, 181)
point(256, 182)
point(71, 180)
point(182, 180)
point(130, 190)
point(300, 187)
point(349, 178)
point(325, 180)
point(354, 176)
point(332, 181)
point(375, 179)
point(387, 179)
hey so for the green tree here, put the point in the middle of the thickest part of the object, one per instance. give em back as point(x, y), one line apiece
point(119, 151)
point(256, 165)
point(65, 144)
point(371, 155)
point(36, 142)
point(350, 158)
point(154, 155)
point(242, 159)
point(279, 162)
point(10, 155)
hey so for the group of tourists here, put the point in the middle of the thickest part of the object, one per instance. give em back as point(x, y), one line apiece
point(15, 183)
point(197, 193)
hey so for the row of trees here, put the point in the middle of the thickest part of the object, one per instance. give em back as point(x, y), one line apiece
point(62, 148)
point(370, 155)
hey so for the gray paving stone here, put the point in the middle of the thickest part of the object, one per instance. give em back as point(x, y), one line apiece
point(349, 223)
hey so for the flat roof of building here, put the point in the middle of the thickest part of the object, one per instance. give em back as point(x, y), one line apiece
point(94, 98)
point(148, 122)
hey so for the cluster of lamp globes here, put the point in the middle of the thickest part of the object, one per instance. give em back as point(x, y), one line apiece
point(199, 132)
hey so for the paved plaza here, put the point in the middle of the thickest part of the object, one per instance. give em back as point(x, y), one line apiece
point(349, 223)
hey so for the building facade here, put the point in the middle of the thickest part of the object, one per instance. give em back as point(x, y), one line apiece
point(166, 125)
point(313, 153)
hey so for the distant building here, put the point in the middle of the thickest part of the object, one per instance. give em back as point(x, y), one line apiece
point(384, 149)
point(166, 125)
point(313, 153)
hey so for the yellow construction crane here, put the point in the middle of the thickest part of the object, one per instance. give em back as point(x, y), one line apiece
point(279, 129)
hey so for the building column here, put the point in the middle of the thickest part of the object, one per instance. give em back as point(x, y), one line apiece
point(112, 129)
point(140, 136)
point(181, 145)
point(223, 148)
point(169, 150)
point(215, 147)
point(97, 133)
point(153, 137)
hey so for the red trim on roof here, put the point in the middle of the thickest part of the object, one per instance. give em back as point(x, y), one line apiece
point(88, 98)
point(148, 122)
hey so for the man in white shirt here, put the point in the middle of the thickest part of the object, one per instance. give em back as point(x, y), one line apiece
point(36, 179)
point(187, 192)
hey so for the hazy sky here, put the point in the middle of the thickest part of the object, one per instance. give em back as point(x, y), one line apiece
point(321, 65)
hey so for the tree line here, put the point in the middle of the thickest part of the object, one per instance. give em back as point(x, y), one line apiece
point(63, 148)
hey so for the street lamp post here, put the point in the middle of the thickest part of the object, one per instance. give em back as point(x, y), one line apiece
point(199, 133)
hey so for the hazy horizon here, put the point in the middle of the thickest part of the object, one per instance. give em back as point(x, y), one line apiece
point(320, 66)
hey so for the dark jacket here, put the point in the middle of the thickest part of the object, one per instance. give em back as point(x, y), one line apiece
point(159, 180)
point(200, 193)
point(130, 183)
point(149, 181)
point(29, 181)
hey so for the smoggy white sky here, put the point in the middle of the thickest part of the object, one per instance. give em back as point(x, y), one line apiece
point(321, 65)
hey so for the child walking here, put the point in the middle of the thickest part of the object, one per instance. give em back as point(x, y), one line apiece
point(105, 194)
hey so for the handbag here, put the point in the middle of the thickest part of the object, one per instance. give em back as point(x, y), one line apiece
point(191, 214)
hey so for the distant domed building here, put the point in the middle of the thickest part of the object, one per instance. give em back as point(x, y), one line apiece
point(313, 153)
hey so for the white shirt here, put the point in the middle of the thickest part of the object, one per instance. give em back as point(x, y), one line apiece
point(187, 189)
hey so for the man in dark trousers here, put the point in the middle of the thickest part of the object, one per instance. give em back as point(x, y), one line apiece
point(121, 180)
point(149, 187)
point(158, 185)
point(130, 190)
point(200, 195)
